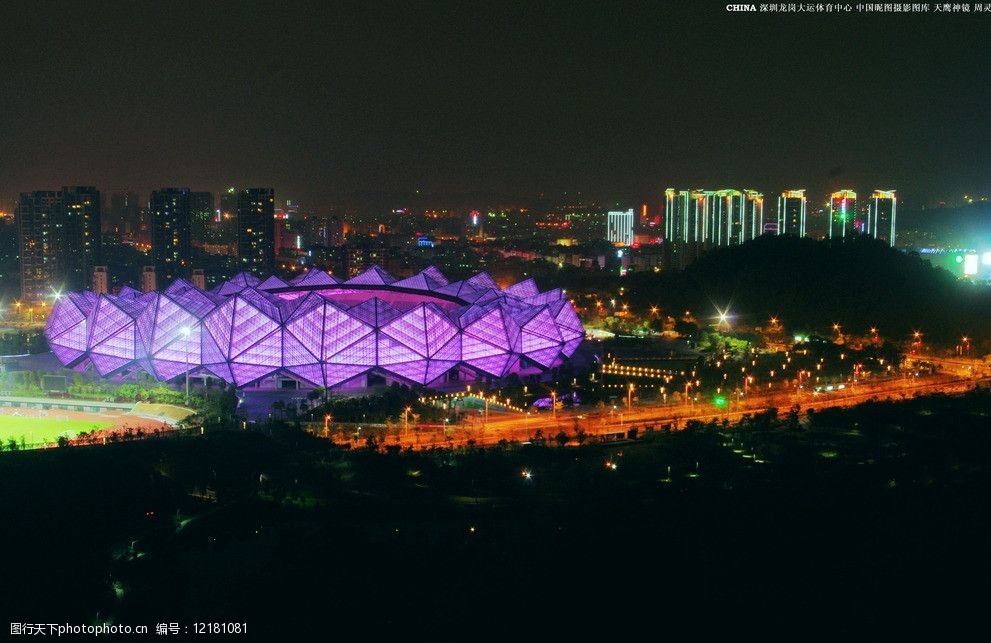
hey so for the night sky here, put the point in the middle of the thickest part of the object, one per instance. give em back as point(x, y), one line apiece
point(616, 100)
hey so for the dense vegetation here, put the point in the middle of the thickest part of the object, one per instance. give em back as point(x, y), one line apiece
point(858, 521)
point(809, 285)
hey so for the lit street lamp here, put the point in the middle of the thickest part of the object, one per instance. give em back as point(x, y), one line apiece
point(965, 347)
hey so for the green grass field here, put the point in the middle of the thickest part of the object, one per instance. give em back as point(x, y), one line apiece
point(38, 430)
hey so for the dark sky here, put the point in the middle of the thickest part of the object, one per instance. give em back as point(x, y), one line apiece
point(613, 99)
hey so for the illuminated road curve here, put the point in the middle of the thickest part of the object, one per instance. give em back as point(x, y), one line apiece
point(612, 423)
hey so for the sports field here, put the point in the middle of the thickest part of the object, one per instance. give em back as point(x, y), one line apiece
point(36, 430)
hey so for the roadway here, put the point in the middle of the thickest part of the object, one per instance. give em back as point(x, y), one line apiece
point(504, 426)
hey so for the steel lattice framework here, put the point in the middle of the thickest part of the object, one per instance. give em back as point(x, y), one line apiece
point(318, 328)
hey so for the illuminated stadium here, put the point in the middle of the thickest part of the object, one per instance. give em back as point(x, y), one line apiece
point(319, 330)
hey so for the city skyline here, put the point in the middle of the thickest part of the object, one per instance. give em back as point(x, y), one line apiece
point(180, 227)
point(300, 104)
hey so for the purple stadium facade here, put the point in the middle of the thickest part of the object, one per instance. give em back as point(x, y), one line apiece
point(319, 329)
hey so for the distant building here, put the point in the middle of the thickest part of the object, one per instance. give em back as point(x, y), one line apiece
point(334, 231)
point(228, 203)
point(124, 218)
point(198, 278)
point(149, 281)
point(39, 232)
point(289, 229)
point(202, 215)
point(722, 221)
point(881, 214)
point(731, 217)
point(82, 236)
point(10, 280)
point(696, 220)
point(60, 239)
point(791, 213)
point(842, 212)
point(170, 232)
point(682, 215)
point(753, 215)
point(619, 227)
point(101, 281)
point(683, 226)
point(256, 230)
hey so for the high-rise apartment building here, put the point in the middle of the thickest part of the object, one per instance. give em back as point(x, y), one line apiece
point(60, 239)
point(698, 219)
point(753, 215)
point(228, 203)
point(82, 238)
point(37, 215)
point(170, 232)
point(684, 226)
point(256, 229)
point(619, 227)
point(289, 229)
point(202, 215)
point(792, 213)
point(881, 214)
point(842, 213)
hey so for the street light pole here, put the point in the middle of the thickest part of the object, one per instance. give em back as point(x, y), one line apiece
point(186, 332)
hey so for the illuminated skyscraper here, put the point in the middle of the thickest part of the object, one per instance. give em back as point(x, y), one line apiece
point(791, 212)
point(680, 215)
point(732, 217)
point(60, 239)
point(722, 216)
point(170, 232)
point(256, 229)
point(228, 203)
point(619, 227)
point(289, 227)
point(842, 212)
point(753, 214)
point(83, 236)
point(683, 226)
point(695, 220)
point(881, 212)
point(201, 216)
point(36, 216)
